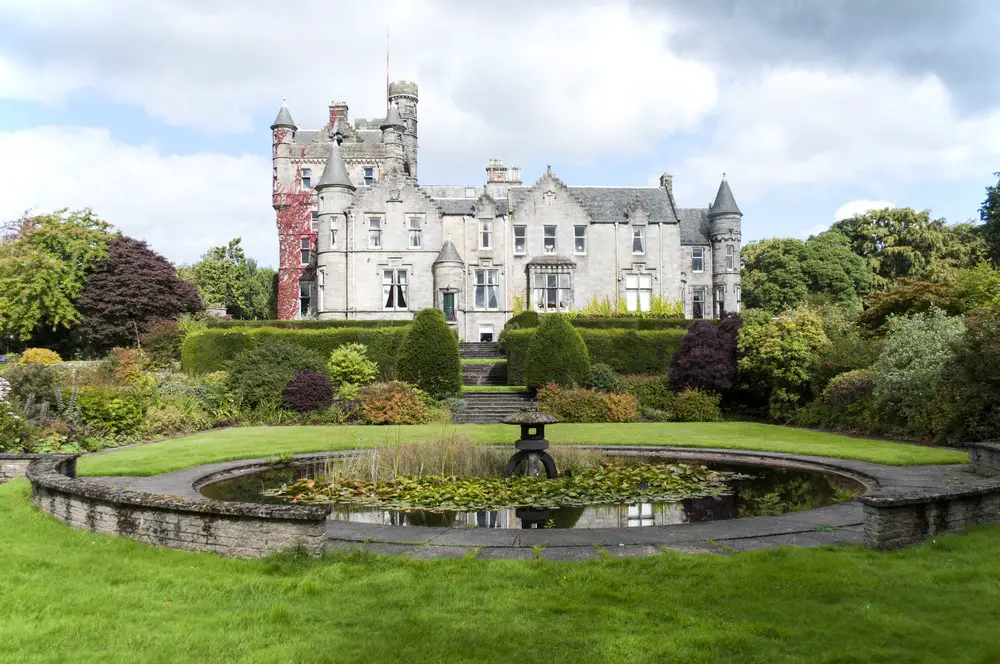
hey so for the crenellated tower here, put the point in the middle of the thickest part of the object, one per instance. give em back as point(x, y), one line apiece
point(404, 95)
point(725, 231)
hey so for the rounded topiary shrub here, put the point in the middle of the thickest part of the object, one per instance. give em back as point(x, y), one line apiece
point(693, 405)
point(849, 387)
point(257, 376)
point(604, 379)
point(429, 356)
point(556, 355)
point(308, 391)
point(42, 356)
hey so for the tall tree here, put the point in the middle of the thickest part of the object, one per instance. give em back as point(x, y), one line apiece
point(225, 276)
point(132, 287)
point(989, 213)
point(44, 263)
point(902, 242)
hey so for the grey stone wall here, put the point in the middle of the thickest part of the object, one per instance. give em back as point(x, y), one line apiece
point(229, 529)
point(895, 522)
point(13, 466)
point(985, 458)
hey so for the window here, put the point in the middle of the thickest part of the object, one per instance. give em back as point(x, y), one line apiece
point(720, 301)
point(333, 235)
point(305, 299)
point(730, 258)
point(580, 239)
point(394, 289)
point(415, 233)
point(638, 291)
point(305, 251)
point(485, 233)
point(638, 239)
point(369, 176)
point(698, 259)
point(549, 239)
point(314, 222)
point(737, 288)
point(551, 291)
point(520, 240)
point(307, 178)
point(487, 287)
point(448, 306)
point(374, 232)
point(698, 303)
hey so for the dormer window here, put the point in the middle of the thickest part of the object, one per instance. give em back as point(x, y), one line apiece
point(485, 233)
point(638, 239)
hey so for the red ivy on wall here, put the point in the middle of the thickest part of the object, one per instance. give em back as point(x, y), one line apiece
point(293, 207)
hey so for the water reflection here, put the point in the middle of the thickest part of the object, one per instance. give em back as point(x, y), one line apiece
point(768, 491)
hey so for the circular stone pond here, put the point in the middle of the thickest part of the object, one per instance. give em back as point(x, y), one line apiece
point(721, 491)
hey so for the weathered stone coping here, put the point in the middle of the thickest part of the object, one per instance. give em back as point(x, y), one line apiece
point(227, 528)
point(14, 466)
point(985, 458)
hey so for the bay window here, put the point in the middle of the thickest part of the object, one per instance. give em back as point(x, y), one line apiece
point(551, 291)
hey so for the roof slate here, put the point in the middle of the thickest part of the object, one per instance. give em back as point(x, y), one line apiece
point(466, 206)
point(284, 118)
point(335, 171)
point(448, 253)
point(724, 201)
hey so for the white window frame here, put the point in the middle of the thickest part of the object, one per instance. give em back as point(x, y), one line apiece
point(558, 285)
point(485, 228)
point(739, 297)
point(314, 221)
point(639, 233)
point(546, 237)
point(395, 286)
point(638, 285)
point(577, 237)
point(730, 258)
point(487, 284)
point(305, 250)
point(720, 301)
point(306, 178)
point(310, 295)
point(696, 300)
point(415, 231)
point(523, 238)
point(698, 254)
point(375, 226)
point(369, 176)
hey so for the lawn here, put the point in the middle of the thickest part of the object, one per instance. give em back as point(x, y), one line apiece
point(251, 442)
point(71, 596)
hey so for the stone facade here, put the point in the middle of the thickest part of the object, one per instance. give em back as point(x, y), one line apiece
point(230, 529)
point(382, 246)
point(14, 466)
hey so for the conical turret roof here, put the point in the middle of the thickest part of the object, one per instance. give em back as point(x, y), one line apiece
point(335, 173)
point(448, 253)
point(724, 201)
point(392, 118)
point(284, 118)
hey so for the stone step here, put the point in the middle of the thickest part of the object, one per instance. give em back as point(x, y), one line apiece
point(479, 349)
point(484, 374)
point(491, 407)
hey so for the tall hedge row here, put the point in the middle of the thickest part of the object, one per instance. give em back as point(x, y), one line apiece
point(556, 354)
point(529, 319)
point(304, 324)
point(626, 351)
point(212, 349)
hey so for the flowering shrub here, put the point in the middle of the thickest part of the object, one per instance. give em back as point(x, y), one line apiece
point(4, 389)
point(40, 356)
point(588, 405)
point(393, 403)
point(14, 429)
point(308, 391)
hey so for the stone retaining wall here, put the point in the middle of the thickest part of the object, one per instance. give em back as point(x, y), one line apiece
point(892, 522)
point(13, 466)
point(985, 458)
point(230, 529)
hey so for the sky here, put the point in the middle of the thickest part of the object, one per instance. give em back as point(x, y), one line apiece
point(157, 114)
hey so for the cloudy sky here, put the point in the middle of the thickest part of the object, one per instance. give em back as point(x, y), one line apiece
point(156, 114)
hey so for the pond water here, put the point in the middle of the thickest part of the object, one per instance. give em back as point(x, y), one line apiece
point(766, 491)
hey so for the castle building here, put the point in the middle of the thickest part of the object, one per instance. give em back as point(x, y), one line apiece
point(361, 239)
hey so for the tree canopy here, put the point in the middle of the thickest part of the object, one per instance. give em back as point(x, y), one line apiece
point(226, 277)
point(989, 214)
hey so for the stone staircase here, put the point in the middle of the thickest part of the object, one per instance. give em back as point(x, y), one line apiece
point(470, 350)
point(491, 407)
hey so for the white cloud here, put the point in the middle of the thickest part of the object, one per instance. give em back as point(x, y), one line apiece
point(517, 80)
point(180, 204)
point(852, 208)
point(794, 127)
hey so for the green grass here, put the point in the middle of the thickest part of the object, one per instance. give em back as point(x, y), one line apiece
point(71, 596)
point(482, 360)
point(251, 442)
point(494, 388)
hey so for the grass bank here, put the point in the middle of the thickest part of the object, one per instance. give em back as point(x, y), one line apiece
point(251, 442)
point(71, 596)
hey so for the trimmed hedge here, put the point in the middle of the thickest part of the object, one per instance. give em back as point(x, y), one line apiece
point(626, 351)
point(429, 356)
point(529, 319)
point(556, 354)
point(211, 350)
point(304, 324)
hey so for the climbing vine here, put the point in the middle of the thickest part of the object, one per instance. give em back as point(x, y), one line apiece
point(293, 207)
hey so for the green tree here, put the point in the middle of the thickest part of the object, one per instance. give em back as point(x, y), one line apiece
point(783, 273)
point(428, 358)
point(902, 242)
point(44, 264)
point(226, 277)
point(556, 354)
point(989, 214)
point(776, 357)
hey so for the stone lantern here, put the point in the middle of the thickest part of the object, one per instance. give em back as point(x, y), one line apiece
point(532, 446)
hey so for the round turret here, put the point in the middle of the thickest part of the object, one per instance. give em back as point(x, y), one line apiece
point(403, 94)
point(725, 223)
